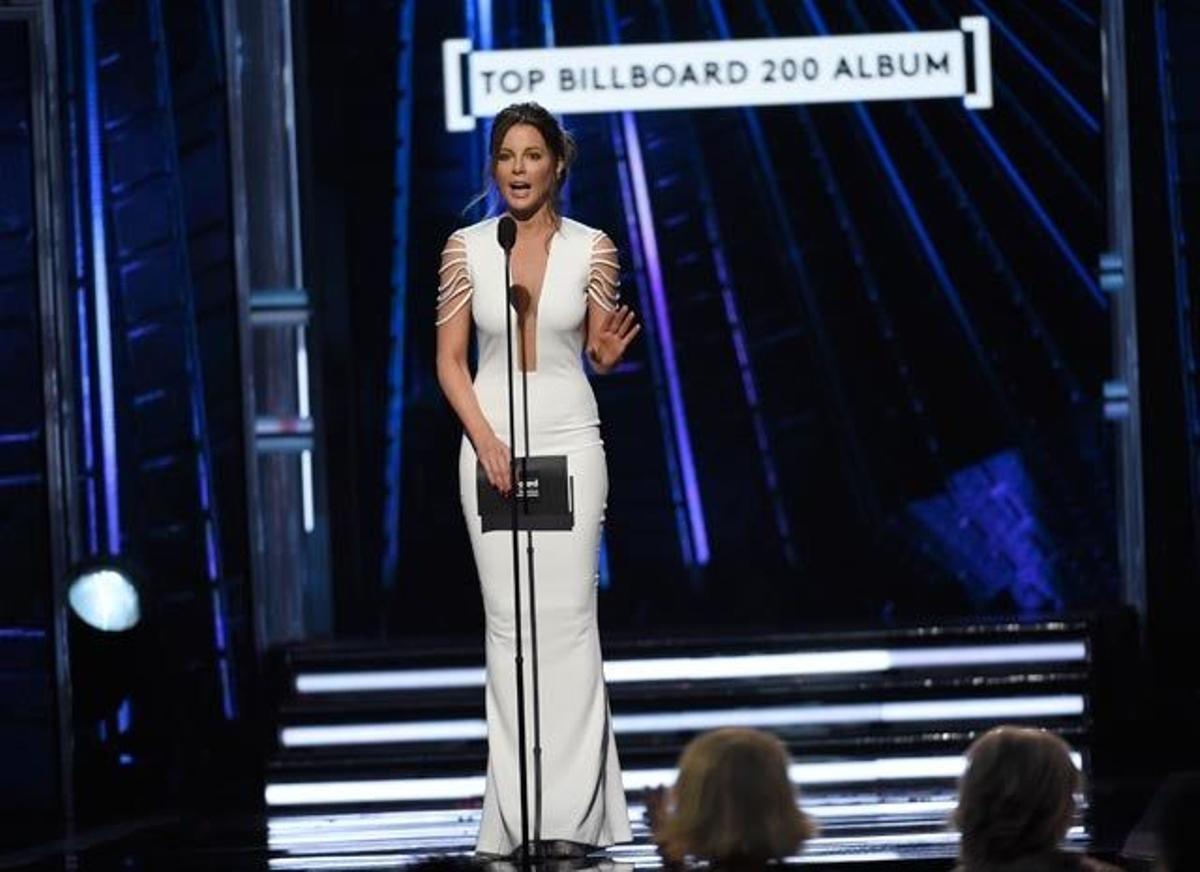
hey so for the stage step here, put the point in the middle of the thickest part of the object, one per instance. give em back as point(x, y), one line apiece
point(876, 723)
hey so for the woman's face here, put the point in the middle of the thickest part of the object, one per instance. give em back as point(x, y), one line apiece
point(525, 170)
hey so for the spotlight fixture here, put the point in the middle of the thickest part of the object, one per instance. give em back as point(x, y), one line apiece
point(105, 597)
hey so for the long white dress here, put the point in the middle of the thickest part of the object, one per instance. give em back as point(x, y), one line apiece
point(582, 798)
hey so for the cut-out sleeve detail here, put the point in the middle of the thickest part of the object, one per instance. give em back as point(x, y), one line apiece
point(454, 281)
point(604, 273)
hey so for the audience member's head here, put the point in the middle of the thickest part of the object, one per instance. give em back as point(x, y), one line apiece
point(734, 802)
point(1178, 824)
point(1016, 797)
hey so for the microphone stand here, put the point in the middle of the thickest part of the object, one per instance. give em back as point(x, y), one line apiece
point(518, 658)
point(533, 637)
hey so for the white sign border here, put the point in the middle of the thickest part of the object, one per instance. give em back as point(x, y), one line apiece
point(459, 120)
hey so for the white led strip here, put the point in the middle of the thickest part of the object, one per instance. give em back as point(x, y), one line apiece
point(373, 734)
point(822, 849)
point(446, 820)
point(391, 819)
point(1065, 705)
point(408, 679)
point(719, 667)
point(825, 806)
point(471, 787)
point(401, 827)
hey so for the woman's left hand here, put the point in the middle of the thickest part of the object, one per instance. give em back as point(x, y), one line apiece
point(617, 331)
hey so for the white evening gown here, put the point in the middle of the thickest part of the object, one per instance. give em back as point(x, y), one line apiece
point(582, 796)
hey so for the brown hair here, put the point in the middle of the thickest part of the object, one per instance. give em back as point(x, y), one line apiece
point(734, 800)
point(1016, 797)
point(559, 142)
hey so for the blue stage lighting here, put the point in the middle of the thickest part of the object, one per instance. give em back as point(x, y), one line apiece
point(105, 598)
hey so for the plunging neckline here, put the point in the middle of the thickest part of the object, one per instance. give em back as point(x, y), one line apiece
point(535, 306)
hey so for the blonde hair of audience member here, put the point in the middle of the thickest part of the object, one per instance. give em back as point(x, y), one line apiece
point(1015, 802)
point(734, 802)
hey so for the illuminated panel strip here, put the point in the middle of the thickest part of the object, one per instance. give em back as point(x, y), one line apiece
point(408, 679)
point(471, 787)
point(391, 819)
point(384, 842)
point(652, 861)
point(378, 734)
point(357, 838)
point(347, 861)
point(899, 839)
point(822, 806)
point(653, 357)
point(394, 790)
point(989, 655)
point(354, 830)
point(704, 668)
point(102, 312)
point(890, 712)
point(838, 772)
point(662, 322)
point(365, 827)
point(817, 850)
point(468, 729)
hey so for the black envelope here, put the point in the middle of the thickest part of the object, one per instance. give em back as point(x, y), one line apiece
point(545, 496)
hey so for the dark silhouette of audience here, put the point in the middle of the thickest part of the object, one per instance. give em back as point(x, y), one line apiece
point(733, 803)
point(1177, 824)
point(735, 807)
point(1016, 802)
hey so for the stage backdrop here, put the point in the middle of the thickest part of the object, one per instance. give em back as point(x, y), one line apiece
point(870, 382)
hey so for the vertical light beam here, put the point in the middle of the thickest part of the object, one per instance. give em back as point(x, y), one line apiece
point(662, 318)
point(101, 310)
point(399, 322)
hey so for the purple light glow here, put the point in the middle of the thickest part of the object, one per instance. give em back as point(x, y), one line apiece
point(485, 24)
point(658, 294)
point(985, 530)
point(85, 375)
point(629, 212)
point(24, 633)
point(227, 701)
point(103, 318)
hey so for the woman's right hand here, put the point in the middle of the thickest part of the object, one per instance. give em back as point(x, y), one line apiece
point(496, 460)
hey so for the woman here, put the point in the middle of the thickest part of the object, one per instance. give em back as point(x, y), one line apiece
point(734, 803)
point(1015, 804)
point(565, 281)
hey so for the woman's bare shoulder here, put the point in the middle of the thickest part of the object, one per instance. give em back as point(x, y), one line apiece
point(480, 229)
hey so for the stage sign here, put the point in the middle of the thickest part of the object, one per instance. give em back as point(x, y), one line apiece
point(720, 73)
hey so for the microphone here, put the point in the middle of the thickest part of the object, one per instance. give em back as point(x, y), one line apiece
point(506, 233)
